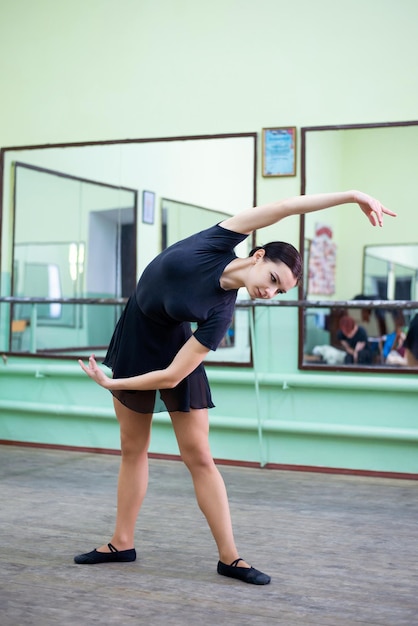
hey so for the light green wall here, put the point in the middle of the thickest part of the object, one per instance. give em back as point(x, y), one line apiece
point(108, 69)
point(113, 69)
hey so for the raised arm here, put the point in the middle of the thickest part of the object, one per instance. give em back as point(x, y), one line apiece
point(258, 217)
point(187, 359)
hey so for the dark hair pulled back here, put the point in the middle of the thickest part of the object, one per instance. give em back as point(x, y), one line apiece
point(281, 251)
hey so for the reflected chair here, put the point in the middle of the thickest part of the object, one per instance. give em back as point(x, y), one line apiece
point(18, 329)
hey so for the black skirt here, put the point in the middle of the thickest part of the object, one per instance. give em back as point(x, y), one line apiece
point(140, 345)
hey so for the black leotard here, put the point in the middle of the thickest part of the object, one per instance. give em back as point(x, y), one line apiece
point(181, 285)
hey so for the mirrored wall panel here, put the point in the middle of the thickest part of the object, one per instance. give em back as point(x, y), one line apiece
point(83, 221)
point(346, 259)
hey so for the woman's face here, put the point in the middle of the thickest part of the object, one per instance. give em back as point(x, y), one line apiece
point(352, 332)
point(266, 278)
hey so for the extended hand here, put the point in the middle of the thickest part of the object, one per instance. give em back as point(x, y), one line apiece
point(372, 208)
point(94, 372)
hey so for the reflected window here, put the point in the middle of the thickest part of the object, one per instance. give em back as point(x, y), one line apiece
point(43, 278)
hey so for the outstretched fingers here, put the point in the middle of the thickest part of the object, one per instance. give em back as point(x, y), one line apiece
point(381, 210)
point(389, 212)
point(373, 209)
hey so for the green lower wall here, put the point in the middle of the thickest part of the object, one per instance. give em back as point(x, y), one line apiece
point(350, 422)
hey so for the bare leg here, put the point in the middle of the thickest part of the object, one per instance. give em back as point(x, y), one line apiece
point(192, 432)
point(135, 430)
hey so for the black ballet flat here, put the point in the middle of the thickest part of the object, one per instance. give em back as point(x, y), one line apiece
point(114, 556)
point(246, 574)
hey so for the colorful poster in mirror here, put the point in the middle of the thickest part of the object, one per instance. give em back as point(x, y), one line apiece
point(322, 262)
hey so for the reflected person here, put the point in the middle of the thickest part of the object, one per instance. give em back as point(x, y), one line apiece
point(355, 342)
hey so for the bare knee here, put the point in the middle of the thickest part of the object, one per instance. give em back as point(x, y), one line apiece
point(134, 449)
point(198, 460)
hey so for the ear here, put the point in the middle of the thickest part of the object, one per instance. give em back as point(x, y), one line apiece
point(259, 255)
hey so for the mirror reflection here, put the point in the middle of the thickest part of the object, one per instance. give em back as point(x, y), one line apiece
point(78, 231)
point(348, 260)
point(391, 272)
point(73, 238)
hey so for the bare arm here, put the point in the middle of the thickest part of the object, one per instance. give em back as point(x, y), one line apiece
point(360, 345)
point(258, 217)
point(186, 360)
point(347, 346)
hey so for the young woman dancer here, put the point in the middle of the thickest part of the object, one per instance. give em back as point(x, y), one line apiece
point(154, 356)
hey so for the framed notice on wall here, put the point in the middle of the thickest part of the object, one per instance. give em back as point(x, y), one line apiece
point(279, 151)
point(148, 207)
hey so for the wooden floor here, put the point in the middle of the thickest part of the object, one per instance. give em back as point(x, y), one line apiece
point(341, 550)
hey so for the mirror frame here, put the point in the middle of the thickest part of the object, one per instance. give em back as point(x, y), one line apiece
point(5, 150)
point(301, 310)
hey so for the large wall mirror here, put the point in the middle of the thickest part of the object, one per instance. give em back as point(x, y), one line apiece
point(345, 258)
point(74, 224)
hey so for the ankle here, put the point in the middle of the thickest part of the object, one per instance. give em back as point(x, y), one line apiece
point(231, 557)
point(121, 543)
